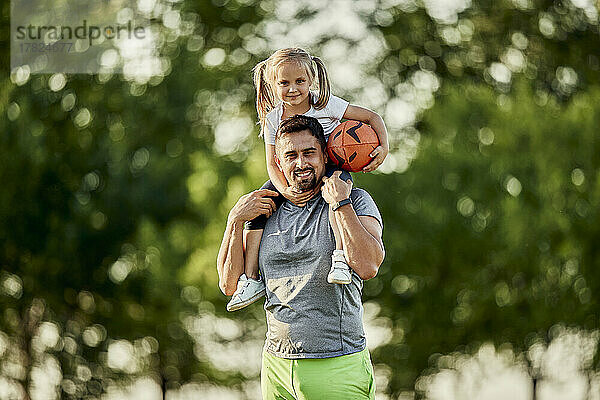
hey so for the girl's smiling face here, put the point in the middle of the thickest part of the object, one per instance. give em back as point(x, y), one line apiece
point(292, 84)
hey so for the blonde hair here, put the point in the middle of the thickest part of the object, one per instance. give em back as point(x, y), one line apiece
point(264, 74)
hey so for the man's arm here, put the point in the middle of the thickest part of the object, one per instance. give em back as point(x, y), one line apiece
point(230, 261)
point(361, 235)
point(361, 238)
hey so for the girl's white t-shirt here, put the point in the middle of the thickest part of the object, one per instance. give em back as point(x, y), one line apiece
point(329, 117)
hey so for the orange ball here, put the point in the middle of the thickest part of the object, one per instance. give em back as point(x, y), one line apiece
point(350, 144)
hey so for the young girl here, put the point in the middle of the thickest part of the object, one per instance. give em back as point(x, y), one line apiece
point(283, 82)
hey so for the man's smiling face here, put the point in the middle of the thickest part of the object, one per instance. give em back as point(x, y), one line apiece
point(301, 159)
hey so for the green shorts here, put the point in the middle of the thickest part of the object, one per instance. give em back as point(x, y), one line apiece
point(345, 377)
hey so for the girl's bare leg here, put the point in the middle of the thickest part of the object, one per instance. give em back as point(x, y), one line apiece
point(252, 241)
point(336, 231)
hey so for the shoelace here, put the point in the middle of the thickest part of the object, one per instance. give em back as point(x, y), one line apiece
point(342, 268)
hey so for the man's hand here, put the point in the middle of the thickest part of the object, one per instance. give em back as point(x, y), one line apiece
point(334, 189)
point(379, 154)
point(253, 204)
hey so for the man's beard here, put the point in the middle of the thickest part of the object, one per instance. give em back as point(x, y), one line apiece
point(304, 184)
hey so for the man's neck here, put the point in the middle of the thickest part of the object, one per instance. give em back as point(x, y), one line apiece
point(315, 192)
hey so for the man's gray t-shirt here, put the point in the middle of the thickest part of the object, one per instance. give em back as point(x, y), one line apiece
point(306, 316)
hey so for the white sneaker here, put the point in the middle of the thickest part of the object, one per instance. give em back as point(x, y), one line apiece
point(248, 291)
point(340, 271)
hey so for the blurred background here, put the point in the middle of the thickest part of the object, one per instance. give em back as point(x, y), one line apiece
point(115, 190)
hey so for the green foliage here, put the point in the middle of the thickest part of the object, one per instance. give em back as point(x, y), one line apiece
point(528, 37)
point(491, 232)
point(97, 220)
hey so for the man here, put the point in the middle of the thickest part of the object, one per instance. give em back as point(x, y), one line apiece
point(315, 346)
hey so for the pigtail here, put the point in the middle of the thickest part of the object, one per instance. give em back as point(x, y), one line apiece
point(324, 86)
point(265, 100)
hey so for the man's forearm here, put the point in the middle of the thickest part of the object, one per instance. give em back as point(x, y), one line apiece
point(364, 251)
point(230, 261)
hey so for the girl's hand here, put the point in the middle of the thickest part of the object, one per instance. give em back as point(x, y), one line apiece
point(296, 197)
point(379, 154)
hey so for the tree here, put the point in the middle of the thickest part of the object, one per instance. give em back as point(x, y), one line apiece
point(494, 234)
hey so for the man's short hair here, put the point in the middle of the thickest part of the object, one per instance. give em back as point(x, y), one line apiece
point(299, 123)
